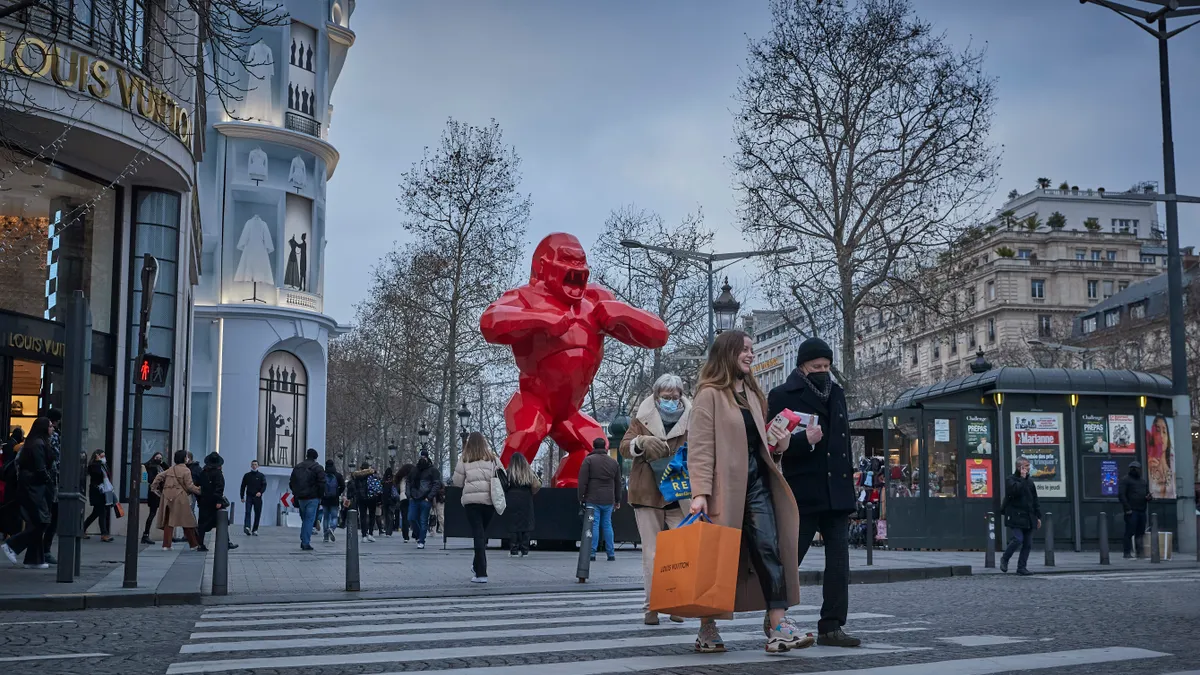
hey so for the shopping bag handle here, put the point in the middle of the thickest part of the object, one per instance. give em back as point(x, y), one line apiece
point(693, 517)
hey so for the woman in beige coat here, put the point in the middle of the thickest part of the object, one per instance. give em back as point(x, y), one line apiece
point(174, 487)
point(736, 483)
point(473, 474)
point(657, 429)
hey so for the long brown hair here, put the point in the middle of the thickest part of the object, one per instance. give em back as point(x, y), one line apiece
point(721, 370)
point(477, 449)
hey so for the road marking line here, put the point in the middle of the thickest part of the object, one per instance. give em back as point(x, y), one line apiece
point(424, 602)
point(326, 631)
point(587, 628)
point(990, 665)
point(294, 617)
point(982, 640)
point(47, 657)
point(414, 655)
point(31, 623)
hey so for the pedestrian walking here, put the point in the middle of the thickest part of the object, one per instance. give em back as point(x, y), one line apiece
point(254, 484)
point(657, 429)
point(154, 466)
point(34, 460)
point(474, 474)
point(55, 417)
point(1134, 495)
point(523, 484)
point(101, 496)
point(737, 484)
point(10, 506)
point(600, 490)
point(401, 480)
point(307, 484)
point(212, 501)
point(422, 488)
point(388, 503)
point(1022, 515)
point(819, 471)
point(176, 491)
point(335, 487)
point(365, 491)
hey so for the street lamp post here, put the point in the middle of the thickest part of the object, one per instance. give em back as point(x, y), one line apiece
point(725, 308)
point(392, 454)
point(1181, 403)
point(463, 416)
point(423, 434)
point(707, 260)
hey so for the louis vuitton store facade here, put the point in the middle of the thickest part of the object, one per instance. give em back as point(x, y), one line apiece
point(97, 169)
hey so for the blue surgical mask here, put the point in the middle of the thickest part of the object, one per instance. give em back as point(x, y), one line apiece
point(669, 405)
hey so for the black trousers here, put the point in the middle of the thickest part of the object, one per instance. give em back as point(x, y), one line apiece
point(253, 504)
point(366, 517)
point(51, 529)
point(1135, 531)
point(30, 540)
point(520, 542)
point(835, 590)
point(479, 516)
point(760, 532)
point(404, 524)
point(104, 514)
point(152, 502)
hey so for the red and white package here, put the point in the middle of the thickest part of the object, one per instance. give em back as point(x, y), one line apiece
point(789, 420)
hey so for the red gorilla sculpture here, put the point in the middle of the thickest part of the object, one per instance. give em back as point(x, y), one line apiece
point(556, 326)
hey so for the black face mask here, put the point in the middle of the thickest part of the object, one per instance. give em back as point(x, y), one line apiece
point(1135, 472)
point(820, 379)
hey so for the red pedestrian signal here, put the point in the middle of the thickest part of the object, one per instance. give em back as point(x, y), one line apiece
point(151, 371)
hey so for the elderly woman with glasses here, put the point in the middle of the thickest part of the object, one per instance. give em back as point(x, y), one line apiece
point(657, 429)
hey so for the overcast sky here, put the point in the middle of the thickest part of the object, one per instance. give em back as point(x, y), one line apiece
point(629, 101)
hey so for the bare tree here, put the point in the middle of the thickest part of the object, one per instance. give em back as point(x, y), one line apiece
point(862, 141)
point(461, 203)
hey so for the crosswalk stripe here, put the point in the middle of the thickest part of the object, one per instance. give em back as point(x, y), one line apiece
point(324, 631)
point(50, 657)
point(468, 651)
point(990, 665)
point(296, 615)
point(1120, 576)
point(424, 602)
point(1173, 580)
point(325, 642)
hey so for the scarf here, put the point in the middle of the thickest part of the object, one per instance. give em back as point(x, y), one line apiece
point(823, 392)
point(669, 420)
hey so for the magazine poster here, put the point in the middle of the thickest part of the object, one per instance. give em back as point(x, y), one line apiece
point(1160, 456)
point(1094, 436)
point(1121, 438)
point(1038, 438)
point(1108, 478)
point(979, 478)
point(979, 435)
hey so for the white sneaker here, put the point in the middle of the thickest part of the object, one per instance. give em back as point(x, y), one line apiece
point(43, 566)
point(479, 580)
point(420, 545)
point(9, 553)
point(370, 539)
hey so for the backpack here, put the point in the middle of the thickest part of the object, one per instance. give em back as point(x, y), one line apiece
point(395, 494)
point(330, 485)
point(301, 481)
point(374, 487)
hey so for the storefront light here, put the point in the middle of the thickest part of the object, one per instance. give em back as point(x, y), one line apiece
point(1074, 400)
point(1142, 401)
point(998, 399)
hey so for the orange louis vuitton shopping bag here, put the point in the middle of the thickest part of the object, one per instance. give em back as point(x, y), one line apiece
point(695, 569)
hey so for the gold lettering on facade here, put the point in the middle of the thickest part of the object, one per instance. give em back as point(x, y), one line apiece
point(35, 344)
point(100, 88)
point(56, 68)
point(20, 53)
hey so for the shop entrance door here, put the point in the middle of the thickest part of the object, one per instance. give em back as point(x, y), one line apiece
point(905, 501)
point(29, 389)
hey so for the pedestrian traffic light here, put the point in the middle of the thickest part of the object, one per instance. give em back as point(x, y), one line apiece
point(151, 371)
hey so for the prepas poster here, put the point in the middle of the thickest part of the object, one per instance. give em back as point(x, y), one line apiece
point(1120, 434)
point(979, 435)
point(1038, 437)
point(1095, 434)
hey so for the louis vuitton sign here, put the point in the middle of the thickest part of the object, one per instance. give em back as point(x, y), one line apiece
point(72, 69)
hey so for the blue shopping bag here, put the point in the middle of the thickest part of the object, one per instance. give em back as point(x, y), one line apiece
point(673, 482)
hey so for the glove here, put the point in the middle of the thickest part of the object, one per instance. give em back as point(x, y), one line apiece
point(652, 445)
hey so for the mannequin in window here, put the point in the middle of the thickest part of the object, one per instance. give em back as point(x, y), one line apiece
point(304, 262)
point(291, 96)
point(298, 175)
point(256, 167)
point(256, 246)
point(258, 105)
point(309, 64)
point(293, 57)
point(291, 276)
point(304, 101)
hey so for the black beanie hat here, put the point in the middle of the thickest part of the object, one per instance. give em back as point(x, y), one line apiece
point(214, 459)
point(813, 348)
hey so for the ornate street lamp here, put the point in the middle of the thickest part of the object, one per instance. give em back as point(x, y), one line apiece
point(980, 364)
point(391, 454)
point(463, 416)
point(725, 308)
point(423, 433)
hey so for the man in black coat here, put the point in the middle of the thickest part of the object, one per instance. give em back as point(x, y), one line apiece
point(817, 467)
point(1134, 495)
point(254, 484)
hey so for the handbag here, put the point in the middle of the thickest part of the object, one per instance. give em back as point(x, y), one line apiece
point(499, 480)
point(674, 483)
point(696, 569)
point(120, 510)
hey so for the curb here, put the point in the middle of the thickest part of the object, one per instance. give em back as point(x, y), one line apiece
point(73, 602)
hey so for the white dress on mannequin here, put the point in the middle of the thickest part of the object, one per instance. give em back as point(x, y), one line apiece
point(299, 173)
point(260, 92)
point(256, 167)
point(256, 246)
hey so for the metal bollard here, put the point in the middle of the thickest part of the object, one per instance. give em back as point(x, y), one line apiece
point(1103, 527)
point(220, 574)
point(1155, 554)
point(585, 545)
point(870, 533)
point(278, 514)
point(1049, 521)
point(353, 583)
point(989, 557)
point(1198, 538)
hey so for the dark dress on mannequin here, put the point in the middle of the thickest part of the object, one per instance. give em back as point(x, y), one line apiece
point(291, 276)
point(304, 262)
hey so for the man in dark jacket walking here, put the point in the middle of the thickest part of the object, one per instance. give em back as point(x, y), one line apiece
point(1022, 515)
point(308, 487)
point(422, 488)
point(331, 502)
point(817, 467)
point(254, 484)
point(600, 489)
point(1134, 494)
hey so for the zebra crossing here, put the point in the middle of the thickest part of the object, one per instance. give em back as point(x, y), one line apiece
point(1185, 576)
point(584, 633)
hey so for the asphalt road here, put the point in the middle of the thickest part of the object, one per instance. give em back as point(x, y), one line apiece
point(1144, 622)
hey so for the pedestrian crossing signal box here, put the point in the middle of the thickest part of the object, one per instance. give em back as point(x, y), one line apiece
point(151, 371)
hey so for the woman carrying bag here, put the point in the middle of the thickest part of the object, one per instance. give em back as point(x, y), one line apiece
point(175, 488)
point(736, 483)
point(474, 473)
point(101, 496)
point(523, 484)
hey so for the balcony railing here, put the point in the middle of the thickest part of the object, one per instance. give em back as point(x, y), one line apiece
point(304, 125)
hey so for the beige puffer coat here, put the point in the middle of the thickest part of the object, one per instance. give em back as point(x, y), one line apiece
point(475, 478)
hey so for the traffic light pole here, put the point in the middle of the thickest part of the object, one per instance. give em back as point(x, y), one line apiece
point(133, 522)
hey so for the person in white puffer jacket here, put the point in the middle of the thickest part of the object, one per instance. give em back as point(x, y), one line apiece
point(474, 474)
